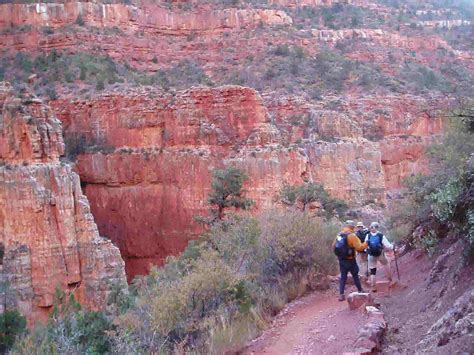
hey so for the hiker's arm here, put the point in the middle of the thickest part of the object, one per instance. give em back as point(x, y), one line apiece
point(355, 243)
point(386, 243)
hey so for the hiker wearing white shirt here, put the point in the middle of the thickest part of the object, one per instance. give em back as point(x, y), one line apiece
point(377, 243)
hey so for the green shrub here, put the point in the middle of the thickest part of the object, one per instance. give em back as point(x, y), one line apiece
point(439, 201)
point(51, 92)
point(80, 21)
point(100, 85)
point(219, 292)
point(94, 70)
point(310, 192)
point(69, 330)
point(282, 50)
point(289, 194)
point(12, 325)
point(227, 190)
point(420, 78)
point(443, 201)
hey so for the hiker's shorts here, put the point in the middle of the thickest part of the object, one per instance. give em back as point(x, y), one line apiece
point(374, 259)
point(362, 261)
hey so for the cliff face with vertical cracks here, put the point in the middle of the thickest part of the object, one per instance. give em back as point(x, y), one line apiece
point(47, 232)
point(129, 17)
point(147, 171)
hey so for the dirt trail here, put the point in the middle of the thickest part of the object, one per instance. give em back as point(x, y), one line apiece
point(319, 324)
point(315, 324)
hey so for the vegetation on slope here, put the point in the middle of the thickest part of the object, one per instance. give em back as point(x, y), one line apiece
point(219, 293)
point(86, 73)
point(441, 204)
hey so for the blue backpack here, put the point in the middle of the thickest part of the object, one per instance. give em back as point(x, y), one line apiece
point(341, 248)
point(375, 244)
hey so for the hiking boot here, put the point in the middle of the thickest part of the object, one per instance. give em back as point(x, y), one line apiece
point(342, 298)
point(362, 291)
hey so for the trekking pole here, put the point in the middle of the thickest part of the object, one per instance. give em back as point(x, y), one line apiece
point(367, 263)
point(396, 263)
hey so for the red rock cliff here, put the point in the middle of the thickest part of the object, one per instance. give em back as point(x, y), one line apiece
point(149, 19)
point(46, 228)
point(148, 170)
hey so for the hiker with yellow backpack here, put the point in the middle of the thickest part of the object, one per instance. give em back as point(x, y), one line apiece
point(344, 246)
point(361, 233)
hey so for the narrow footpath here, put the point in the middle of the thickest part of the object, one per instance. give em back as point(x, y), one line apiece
point(315, 324)
point(430, 311)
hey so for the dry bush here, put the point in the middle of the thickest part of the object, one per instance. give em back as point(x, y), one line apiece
point(221, 291)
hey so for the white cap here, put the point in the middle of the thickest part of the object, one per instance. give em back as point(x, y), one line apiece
point(350, 223)
point(374, 225)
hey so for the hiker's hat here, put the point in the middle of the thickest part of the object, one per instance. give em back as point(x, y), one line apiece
point(374, 225)
point(360, 224)
point(350, 223)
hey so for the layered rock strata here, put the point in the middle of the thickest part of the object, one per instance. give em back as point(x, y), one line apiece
point(149, 19)
point(48, 235)
point(148, 167)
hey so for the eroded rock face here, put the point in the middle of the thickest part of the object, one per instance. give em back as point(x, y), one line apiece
point(382, 37)
point(148, 168)
point(148, 18)
point(48, 234)
point(457, 322)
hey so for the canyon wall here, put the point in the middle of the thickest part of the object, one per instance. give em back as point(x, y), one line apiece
point(158, 20)
point(47, 232)
point(145, 156)
point(148, 169)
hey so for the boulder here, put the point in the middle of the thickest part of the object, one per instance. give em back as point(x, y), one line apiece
point(370, 335)
point(383, 286)
point(358, 299)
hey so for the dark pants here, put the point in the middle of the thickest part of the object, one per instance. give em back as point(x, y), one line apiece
point(347, 266)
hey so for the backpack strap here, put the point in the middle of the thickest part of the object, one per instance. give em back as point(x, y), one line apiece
point(380, 235)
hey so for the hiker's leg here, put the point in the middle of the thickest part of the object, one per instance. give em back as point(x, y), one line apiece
point(372, 260)
point(360, 263)
point(355, 274)
point(388, 271)
point(363, 264)
point(343, 278)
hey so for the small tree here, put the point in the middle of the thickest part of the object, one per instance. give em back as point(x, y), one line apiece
point(100, 85)
point(312, 192)
point(12, 324)
point(288, 194)
point(80, 21)
point(227, 190)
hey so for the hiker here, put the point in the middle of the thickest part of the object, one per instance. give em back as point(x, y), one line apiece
point(344, 247)
point(377, 242)
point(362, 256)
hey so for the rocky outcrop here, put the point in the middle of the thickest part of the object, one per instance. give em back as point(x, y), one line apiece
point(369, 339)
point(399, 127)
point(150, 19)
point(443, 23)
point(48, 234)
point(319, 2)
point(147, 150)
point(457, 322)
point(382, 37)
